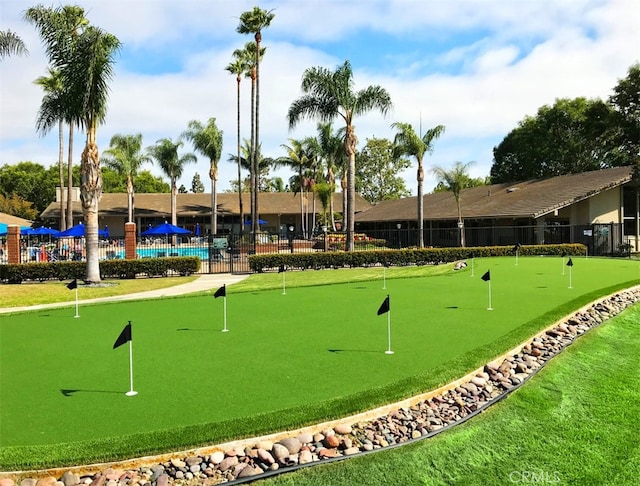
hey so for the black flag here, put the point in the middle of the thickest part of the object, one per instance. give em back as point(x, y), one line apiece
point(384, 307)
point(564, 254)
point(282, 269)
point(124, 337)
point(570, 263)
point(516, 247)
point(73, 285)
point(487, 276)
point(221, 292)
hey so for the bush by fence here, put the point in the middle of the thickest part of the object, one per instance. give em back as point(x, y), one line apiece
point(417, 256)
point(152, 267)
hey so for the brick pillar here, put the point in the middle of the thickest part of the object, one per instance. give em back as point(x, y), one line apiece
point(130, 241)
point(13, 244)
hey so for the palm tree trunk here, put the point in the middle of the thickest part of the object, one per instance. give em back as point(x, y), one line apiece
point(420, 206)
point(130, 198)
point(213, 174)
point(343, 186)
point(238, 79)
point(91, 191)
point(174, 213)
point(70, 179)
point(256, 141)
point(252, 162)
point(332, 184)
point(63, 218)
point(350, 149)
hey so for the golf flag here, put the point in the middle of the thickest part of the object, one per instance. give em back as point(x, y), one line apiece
point(124, 337)
point(221, 292)
point(384, 307)
point(564, 254)
point(487, 276)
point(282, 268)
point(570, 263)
point(73, 285)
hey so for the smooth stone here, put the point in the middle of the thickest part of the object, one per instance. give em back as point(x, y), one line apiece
point(292, 444)
point(343, 429)
point(217, 457)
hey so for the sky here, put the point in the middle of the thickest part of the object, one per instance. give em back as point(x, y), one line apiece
point(478, 67)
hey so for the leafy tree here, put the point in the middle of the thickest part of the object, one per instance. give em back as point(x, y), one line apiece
point(454, 180)
point(298, 158)
point(469, 182)
point(147, 183)
point(182, 189)
point(16, 206)
point(377, 169)
point(11, 43)
point(572, 136)
point(408, 142)
point(125, 156)
point(197, 187)
point(30, 182)
point(329, 95)
point(165, 152)
point(626, 103)
point(208, 141)
point(332, 153)
point(253, 22)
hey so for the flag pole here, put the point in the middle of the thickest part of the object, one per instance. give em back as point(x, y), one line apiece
point(284, 283)
point(570, 276)
point(224, 306)
point(489, 308)
point(77, 315)
point(562, 264)
point(131, 391)
point(388, 351)
point(516, 259)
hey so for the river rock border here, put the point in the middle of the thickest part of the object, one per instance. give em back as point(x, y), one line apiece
point(385, 427)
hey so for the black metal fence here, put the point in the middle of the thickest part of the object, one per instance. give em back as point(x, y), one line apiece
point(229, 253)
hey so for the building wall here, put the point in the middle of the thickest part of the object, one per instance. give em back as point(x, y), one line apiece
point(604, 207)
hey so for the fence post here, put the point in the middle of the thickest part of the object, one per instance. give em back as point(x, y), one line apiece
point(130, 241)
point(13, 244)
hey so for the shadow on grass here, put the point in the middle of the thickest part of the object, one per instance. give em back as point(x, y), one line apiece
point(195, 329)
point(353, 351)
point(69, 392)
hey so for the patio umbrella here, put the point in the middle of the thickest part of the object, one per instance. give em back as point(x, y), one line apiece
point(4, 228)
point(41, 231)
point(197, 229)
point(165, 229)
point(260, 221)
point(77, 231)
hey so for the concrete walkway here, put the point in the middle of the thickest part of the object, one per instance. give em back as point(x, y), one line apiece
point(202, 283)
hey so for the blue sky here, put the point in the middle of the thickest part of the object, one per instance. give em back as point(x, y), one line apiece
point(476, 66)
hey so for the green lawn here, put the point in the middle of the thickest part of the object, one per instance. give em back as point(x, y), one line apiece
point(575, 422)
point(312, 354)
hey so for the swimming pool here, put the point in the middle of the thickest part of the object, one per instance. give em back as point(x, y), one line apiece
point(201, 252)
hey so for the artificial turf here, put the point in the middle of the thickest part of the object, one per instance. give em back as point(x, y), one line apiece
point(311, 354)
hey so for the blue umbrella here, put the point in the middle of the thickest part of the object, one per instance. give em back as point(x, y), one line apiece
point(197, 229)
point(260, 221)
point(41, 231)
point(77, 231)
point(165, 229)
point(4, 228)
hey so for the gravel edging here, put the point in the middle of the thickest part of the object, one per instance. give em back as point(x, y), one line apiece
point(386, 427)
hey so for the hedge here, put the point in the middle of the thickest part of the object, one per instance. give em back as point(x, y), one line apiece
point(41, 271)
point(415, 256)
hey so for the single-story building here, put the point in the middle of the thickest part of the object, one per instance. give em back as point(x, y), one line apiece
point(278, 210)
point(535, 211)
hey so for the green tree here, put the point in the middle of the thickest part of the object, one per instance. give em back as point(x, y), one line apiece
point(626, 103)
point(329, 95)
point(29, 181)
point(125, 156)
point(332, 152)
point(572, 136)
point(408, 142)
point(239, 66)
point(147, 183)
point(16, 206)
point(52, 111)
point(377, 169)
point(197, 187)
point(11, 43)
point(165, 152)
point(455, 180)
point(298, 158)
point(208, 141)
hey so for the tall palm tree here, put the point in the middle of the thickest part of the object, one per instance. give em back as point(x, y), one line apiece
point(454, 180)
point(253, 22)
point(165, 152)
point(125, 156)
point(332, 151)
point(408, 142)
point(298, 158)
point(52, 112)
point(208, 141)
point(239, 67)
point(329, 95)
point(11, 43)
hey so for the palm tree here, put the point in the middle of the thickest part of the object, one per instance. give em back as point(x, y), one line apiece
point(298, 158)
point(51, 112)
point(125, 156)
point(408, 142)
point(252, 22)
point(239, 66)
point(329, 95)
point(208, 141)
point(332, 151)
point(11, 43)
point(454, 180)
point(59, 30)
point(165, 152)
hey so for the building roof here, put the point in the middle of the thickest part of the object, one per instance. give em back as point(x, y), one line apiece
point(159, 205)
point(8, 219)
point(525, 199)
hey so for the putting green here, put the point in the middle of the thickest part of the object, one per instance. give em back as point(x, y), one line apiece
point(61, 382)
